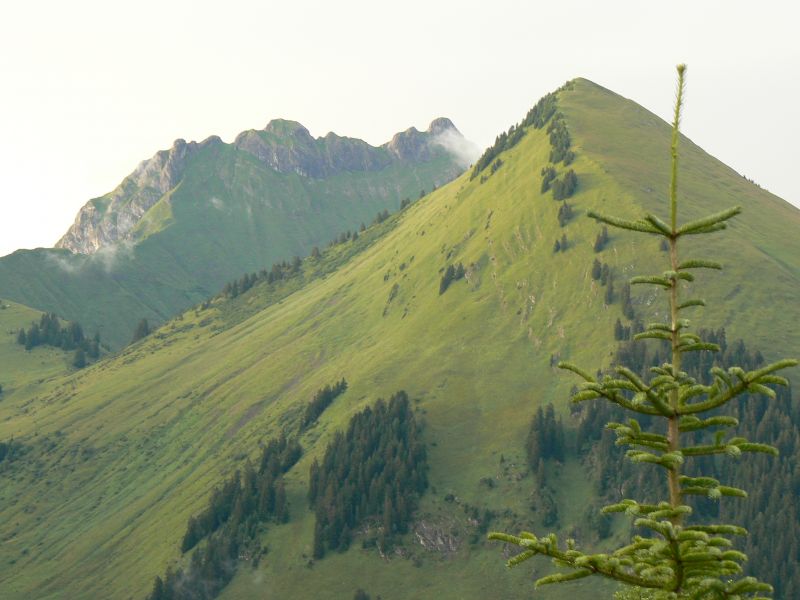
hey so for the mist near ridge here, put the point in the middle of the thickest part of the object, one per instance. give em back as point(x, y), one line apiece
point(465, 151)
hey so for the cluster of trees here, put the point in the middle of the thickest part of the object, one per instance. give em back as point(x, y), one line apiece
point(321, 400)
point(565, 213)
point(254, 494)
point(773, 482)
point(543, 496)
point(279, 271)
point(545, 437)
point(542, 111)
point(142, 331)
point(451, 273)
point(624, 332)
point(560, 141)
point(537, 117)
point(502, 142)
point(545, 442)
point(49, 332)
point(10, 450)
point(496, 165)
point(565, 187)
point(601, 240)
point(602, 273)
point(230, 525)
point(376, 470)
point(381, 217)
point(625, 301)
point(548, 175)
point(561, 245)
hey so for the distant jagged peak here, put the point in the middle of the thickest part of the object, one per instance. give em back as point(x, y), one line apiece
point(441, 125)
point(287, 127)
point(283, 145)
point(111, 218)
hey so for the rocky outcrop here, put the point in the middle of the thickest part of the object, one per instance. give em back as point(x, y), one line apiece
point(111, 218)
point(414, 145)
point(284, 146)
point(288, 147)
point(435, 537)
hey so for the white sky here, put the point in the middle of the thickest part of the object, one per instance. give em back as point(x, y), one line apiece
point(90, 88)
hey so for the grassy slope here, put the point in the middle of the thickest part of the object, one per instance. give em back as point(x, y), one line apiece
point(126, 450)
point(228, 216)
point(22, 370)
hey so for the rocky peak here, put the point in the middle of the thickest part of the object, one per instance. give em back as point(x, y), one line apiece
point(288, 129)
point(110, 219)
point(440, 125)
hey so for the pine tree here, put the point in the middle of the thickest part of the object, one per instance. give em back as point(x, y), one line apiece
point(79, 359)
point(143, 328)
point(597, 269)
point(676, 559)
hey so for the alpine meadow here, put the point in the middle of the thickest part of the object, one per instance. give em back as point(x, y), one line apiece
point(297, 367)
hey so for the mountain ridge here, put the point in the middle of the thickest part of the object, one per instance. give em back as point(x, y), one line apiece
point(193, 217)
point(283, 145)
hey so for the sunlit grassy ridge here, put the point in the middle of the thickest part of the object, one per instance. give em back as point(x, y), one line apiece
point(126, 450)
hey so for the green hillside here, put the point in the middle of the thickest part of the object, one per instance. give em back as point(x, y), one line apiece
point(21, 369)
point(122, 453)
point(210, 212)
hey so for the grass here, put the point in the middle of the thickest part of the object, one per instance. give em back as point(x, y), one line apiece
point(126, 450)
point(230, 214)
point(21, 369)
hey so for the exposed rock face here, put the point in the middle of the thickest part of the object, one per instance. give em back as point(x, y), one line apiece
point(414, 145)
point(111, 218)
point(435, 537)
point(284, 146)
point(287, 147)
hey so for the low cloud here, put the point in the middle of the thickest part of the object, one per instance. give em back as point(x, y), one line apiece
point(66, 262)
point(217, 203)
point(465, 151)
point(108, 256)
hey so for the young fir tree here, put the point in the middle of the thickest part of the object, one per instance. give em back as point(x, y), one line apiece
point(675, 557)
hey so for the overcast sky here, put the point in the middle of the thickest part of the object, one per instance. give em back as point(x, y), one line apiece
point(90, 88)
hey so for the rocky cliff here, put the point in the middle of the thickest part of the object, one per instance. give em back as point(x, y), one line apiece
point(283, 146)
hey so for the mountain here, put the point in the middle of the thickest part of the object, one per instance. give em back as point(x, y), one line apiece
point(194, 216)
point(118, 456)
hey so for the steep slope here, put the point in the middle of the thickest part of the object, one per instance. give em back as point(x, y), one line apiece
point(122, 453)
point(198, 214)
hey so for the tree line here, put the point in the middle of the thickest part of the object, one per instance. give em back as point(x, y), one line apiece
point(537, 117)
point(321, 400)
